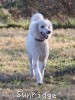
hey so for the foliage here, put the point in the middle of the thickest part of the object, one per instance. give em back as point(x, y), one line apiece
point(60, 12)
point(50, 8)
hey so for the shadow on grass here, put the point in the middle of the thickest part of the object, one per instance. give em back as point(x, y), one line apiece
point(69, 70)
point(17, 77)
point(20, 77)
point(59, 75)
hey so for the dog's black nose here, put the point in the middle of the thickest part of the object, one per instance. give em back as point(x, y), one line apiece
point(49, 32)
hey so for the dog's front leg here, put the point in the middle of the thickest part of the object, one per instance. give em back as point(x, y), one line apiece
point(42, 65)
point(32, 74)
point(37, 71)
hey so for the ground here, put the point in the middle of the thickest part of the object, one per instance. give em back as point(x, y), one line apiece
point(59, 79)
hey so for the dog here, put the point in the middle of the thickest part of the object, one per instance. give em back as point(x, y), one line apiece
point(40, 31)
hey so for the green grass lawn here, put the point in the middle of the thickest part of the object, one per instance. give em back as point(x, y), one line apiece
point(14, 67)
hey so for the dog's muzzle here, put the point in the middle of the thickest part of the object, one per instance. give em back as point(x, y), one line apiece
point(45, 35)
point(48, 32)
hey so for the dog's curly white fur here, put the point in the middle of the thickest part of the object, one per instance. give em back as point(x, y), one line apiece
point(37, 45)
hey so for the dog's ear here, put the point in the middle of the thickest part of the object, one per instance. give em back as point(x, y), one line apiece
point(50, 26)
point(36, 26)
point(36, 34)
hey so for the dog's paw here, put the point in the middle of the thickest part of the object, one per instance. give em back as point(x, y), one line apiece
point(40, 83)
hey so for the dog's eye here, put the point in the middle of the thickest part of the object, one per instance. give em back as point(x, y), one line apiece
point(42, 26)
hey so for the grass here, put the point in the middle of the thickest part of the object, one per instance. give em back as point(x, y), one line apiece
point(14, 67)
point(7, 21)
point(21, 23)
point(69, 23)
point(24, 23)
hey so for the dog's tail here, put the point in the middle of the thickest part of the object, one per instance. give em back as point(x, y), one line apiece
point(37, 16)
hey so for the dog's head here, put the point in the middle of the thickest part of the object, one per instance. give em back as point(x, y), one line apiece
point(44, 28)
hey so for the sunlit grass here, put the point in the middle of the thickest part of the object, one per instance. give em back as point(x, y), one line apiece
point(14, 65)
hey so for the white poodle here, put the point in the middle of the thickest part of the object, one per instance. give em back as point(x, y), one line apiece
point(37, 45)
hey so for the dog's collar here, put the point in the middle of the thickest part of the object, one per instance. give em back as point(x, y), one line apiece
point(39, 40)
